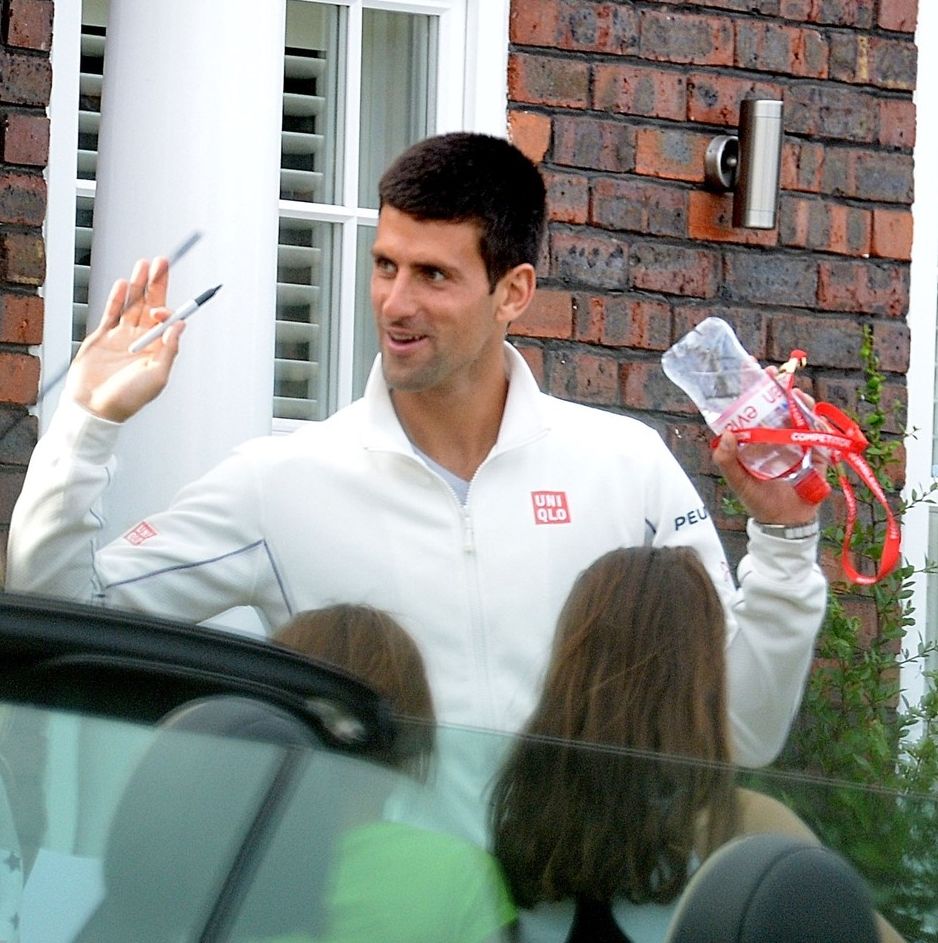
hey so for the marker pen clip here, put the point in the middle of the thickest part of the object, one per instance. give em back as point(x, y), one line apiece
point(180, 314)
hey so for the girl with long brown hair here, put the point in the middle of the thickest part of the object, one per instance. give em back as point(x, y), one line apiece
point(622, 772)
point(621, 782)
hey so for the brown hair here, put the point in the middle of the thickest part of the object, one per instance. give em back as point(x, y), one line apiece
point(602, 794)
point(370, 645)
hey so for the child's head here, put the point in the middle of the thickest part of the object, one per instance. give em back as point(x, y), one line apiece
point(370, 645)
point(628, 744)
point(638, 657)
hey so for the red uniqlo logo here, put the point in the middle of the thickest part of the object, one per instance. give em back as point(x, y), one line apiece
point(550, 507)
point(143, 531)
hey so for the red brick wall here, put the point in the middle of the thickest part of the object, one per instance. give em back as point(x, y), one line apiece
point(25, 83)
point(618, 101)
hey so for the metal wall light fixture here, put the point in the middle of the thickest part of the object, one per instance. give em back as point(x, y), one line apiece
point(749, 164)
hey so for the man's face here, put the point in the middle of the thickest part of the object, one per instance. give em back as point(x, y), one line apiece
point(438, 323)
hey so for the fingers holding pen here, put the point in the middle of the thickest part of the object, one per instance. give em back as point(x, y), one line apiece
point(145, 304)
point(107, 376)
point(137, 322)
point(166, 347)
point(139, 300)
point(147, 290)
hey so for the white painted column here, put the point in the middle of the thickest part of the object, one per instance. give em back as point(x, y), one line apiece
point(190, 140)
point(485, 98)
point(59, 229)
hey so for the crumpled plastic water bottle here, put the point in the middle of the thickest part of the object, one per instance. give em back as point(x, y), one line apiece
point(732, 391)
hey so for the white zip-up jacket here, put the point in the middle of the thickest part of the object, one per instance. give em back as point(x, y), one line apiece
point(345, 511)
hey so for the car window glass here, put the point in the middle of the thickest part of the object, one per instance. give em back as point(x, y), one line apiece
point(290, 841)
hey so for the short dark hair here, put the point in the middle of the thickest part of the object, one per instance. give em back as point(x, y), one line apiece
point(478, 178)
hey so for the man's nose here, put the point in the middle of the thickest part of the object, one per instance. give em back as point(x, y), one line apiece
point(395, 296)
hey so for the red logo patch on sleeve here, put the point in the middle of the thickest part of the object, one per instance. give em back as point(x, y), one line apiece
point(550, 507)
point(137, 535)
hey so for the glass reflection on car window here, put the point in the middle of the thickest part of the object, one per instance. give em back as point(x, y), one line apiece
point(272, 837)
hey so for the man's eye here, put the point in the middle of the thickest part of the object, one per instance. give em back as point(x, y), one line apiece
point(434, 275)
point(384, 266)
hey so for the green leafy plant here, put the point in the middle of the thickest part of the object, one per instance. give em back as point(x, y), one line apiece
point(866, 758)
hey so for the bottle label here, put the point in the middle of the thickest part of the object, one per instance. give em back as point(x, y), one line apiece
point(752, 408)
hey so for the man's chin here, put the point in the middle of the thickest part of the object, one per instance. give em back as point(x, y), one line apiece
point(406, 381)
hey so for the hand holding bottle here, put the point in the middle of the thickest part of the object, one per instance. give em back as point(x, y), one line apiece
point(733, 392)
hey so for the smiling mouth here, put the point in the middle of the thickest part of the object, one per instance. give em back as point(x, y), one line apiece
point(405, 340)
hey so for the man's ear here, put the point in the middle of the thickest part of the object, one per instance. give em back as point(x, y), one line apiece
point(517, 289)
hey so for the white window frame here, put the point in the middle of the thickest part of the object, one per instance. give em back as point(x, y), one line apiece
point(922, 377)
point(63, 188)
point(470, 33)
point(346, 215)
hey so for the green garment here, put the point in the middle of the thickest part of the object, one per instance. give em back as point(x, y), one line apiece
point(400, 884)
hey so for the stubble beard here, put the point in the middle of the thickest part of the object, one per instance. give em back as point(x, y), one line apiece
point(415, 380)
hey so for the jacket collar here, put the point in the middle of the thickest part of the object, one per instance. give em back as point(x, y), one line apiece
point(525, 416)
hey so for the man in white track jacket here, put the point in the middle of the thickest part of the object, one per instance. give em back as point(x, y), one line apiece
point(454, 494)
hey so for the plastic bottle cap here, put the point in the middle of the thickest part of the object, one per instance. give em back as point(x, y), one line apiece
point(812, 487)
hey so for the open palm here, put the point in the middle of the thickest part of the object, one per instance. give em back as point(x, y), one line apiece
point(105, 377)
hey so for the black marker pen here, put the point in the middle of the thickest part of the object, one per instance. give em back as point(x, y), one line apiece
point(180, 314)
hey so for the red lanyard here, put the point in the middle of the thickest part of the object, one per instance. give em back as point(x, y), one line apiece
point(844, 441)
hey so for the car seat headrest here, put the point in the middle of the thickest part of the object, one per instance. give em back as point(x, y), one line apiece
point(774, 889)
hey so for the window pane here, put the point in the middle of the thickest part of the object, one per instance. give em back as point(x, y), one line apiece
point(89, 98)
point(366, 340)
point(397, 56)
point(94, 17)
point(313, 97)
point(84, 216)
point(307, 273)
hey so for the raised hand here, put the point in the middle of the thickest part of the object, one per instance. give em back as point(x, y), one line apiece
point(105, 377)
point(771, 502)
